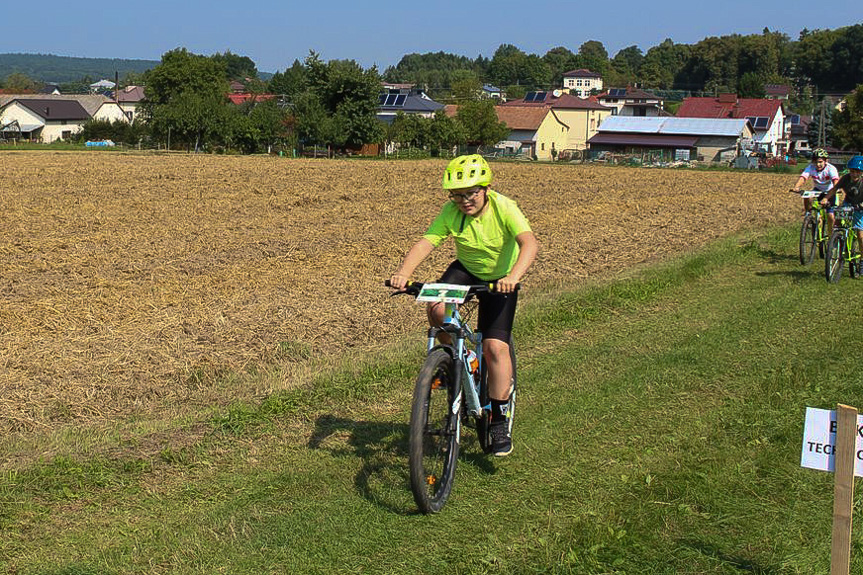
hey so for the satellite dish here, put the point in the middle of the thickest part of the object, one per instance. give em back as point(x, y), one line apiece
point(556, 93)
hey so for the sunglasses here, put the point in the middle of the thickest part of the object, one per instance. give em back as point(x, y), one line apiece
point(463, 197)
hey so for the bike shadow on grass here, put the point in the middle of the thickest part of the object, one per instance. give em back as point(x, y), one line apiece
point(739, 563)
point(798, 275)
point(384, 478)
point(774, 257)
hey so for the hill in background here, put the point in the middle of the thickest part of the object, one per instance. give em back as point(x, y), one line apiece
point(59, 69)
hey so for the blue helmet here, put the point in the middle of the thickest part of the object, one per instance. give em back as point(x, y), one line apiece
point(856, 163)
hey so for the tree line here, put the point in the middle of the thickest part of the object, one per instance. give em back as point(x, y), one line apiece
point(335, 103)
point(313, 103)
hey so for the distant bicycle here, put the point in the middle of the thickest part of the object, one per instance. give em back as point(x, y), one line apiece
point(813, 229)
point(451, 388)
point(842, 247)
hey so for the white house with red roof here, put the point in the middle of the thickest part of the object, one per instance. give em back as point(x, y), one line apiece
point(766, 116)
point(580, 82)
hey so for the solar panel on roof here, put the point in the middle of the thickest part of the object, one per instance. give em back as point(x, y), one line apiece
point(529, 96)
point(400, 100)
point(540, 96)
point(382, 99)
point(761, 122)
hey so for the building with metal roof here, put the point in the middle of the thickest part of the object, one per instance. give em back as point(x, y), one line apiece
point(766, 116)
point(702, 139)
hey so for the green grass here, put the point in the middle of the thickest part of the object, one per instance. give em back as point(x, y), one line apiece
point(658, 430)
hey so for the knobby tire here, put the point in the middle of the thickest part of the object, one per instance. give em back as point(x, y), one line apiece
point(434, 433)
point(854, 263)
point(808, 240)
point(833, 259)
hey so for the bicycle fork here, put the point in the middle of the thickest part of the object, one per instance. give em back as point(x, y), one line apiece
point(464, 381)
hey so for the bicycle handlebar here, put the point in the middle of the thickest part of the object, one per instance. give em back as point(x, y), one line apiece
point(414, 288)
point(807, 193)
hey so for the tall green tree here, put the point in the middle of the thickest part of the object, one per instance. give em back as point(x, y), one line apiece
point(848, 126)
point(186, 98)
point(290, 83)
point(481, 124)
point(593, 56)
point(20, 83)
point(663, 63)
point(559, 61)
point(624, 67)
point(510, 66)
point(236, 67)
point(347, 96)
point(445, 132)
point(751, 85)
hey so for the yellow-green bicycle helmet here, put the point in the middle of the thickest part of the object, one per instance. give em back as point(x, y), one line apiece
point(466, 172)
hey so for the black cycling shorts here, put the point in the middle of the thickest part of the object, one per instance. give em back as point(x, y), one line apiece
point(496, 310)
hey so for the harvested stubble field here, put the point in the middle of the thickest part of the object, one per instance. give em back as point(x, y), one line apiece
point(148, 284)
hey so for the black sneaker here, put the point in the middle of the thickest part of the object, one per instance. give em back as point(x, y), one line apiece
point(501, 439)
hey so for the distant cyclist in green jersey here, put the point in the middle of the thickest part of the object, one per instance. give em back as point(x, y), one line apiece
point(851, 185)
point(494, 243)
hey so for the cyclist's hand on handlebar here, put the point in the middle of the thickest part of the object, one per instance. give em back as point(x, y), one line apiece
point(398, 281)
point(506, 284)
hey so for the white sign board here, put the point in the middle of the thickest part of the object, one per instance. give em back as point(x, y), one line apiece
point(819, 440)
point(447, 293)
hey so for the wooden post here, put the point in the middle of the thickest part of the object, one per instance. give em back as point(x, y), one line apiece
point(843, 495)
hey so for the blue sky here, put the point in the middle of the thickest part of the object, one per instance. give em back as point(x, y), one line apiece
point(274, 33)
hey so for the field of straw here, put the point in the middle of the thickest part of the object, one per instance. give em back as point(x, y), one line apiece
point(135, 284)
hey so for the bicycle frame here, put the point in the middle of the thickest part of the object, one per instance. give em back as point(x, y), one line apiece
point(819, 213)
point(461, 332)
point(843, 230)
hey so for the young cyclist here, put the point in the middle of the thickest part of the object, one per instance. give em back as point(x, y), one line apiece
point(852, 186)
point(493, 242)
point(824, 175)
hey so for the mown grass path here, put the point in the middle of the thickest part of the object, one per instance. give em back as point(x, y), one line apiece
point(658, 431)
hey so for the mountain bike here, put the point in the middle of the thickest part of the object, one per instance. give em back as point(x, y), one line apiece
point(813, 229)
point(451, 389)
point(842, 247)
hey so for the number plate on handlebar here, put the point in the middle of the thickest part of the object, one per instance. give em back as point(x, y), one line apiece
point(446, 293)
point(810, 194)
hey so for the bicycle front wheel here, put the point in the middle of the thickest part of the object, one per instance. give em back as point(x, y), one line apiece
point(833, 259)
point(808, 235)
point(854, 259)
point(434, 432)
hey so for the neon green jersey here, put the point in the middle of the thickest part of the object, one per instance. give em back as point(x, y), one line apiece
point(485, 245)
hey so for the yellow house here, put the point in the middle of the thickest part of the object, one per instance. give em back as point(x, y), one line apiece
point(582, 117)
point(539, 130)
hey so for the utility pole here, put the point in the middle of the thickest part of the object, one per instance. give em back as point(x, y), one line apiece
point(821, 130)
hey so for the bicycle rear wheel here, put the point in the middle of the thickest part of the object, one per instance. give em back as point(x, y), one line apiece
point(434, 433)
point(834, 260)
point(808, 240)
point(854, 252)
point(484, 422)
